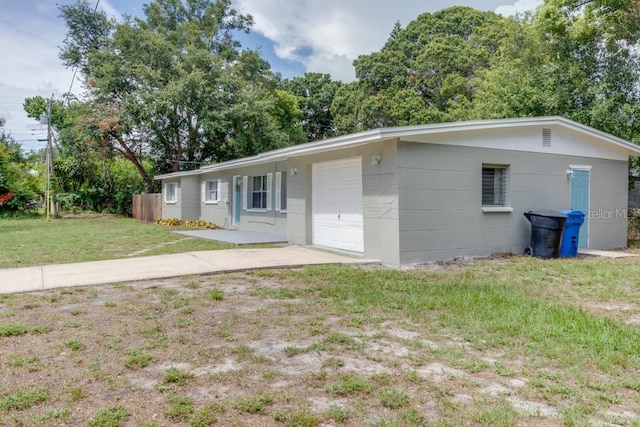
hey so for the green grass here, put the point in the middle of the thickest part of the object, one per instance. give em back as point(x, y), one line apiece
point(24, 399)
point(29, 242)
point(207, 415)
point(491, 306)
point(176, 376)
point(74, 345)
point(392, 398)
point(179, 408)
point(111, 416)
point(216, 295)
point(13, 329)
point(138, 360)
point(254, 405)
point(458, 346)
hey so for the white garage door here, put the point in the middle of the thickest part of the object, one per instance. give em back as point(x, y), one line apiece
point(337, 204)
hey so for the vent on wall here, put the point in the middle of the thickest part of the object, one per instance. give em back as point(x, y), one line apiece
point(546, 137)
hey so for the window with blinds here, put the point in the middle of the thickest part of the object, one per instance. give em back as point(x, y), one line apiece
point(494, 185)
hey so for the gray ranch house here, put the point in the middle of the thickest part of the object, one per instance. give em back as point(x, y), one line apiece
point(417, 194)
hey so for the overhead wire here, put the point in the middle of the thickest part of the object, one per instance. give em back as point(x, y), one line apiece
point(75, 71)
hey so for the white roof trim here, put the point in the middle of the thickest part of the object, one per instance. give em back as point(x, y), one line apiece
point(384, 134)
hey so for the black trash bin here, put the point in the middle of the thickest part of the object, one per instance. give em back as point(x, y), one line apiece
point(546, 233)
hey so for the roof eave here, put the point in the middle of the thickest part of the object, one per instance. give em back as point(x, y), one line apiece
point(384, 134)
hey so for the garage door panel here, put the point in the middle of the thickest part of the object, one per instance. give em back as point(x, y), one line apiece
point(337, 204)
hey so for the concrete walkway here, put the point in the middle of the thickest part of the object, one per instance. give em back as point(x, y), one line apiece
point(605, 254)
point(13, 280)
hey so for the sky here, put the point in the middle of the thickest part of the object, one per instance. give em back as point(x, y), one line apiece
point(295, 36)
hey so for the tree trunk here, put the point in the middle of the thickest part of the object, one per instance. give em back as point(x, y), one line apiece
point(131, 156)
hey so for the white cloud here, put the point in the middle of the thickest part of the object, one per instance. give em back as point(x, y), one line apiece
point(519, 6)
point(322, 35)
point(30, 34)
point(327, 35)
point(111, 11)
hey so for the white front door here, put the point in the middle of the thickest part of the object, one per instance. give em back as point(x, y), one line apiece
point(337, 204)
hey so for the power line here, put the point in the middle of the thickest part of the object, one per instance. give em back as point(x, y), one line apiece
point(75, 71)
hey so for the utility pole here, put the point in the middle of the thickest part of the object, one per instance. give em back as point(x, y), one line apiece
point(49, 161)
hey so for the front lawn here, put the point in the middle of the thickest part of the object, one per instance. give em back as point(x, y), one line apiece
point(29, 242)
point(508, 341)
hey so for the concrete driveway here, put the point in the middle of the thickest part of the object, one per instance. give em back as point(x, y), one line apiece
point(13, 280)
point(236, 237)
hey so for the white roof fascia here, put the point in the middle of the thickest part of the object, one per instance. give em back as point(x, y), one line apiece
point(384, 134)
point(404, 132)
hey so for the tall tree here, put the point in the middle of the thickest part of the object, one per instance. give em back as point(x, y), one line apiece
point(422, 72)
point(176, 86)
point(567, 59)
point(315, 93)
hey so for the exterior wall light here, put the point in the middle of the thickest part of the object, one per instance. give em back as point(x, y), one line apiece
point(375, 161)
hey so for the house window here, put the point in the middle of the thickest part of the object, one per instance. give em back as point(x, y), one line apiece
point(494, 185)
point(281, 191)
point(256, 192)
point(171, 192)
point(259, 192)
point(211, 191)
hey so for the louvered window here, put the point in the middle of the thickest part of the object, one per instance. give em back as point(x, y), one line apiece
point(546, 137)
point(494, 185)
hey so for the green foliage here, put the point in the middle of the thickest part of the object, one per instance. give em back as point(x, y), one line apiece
point(571, 58)
point(13, 329)
point(175, 222)
point(338, 413)
point(24, 399)
point(392, 398)
point(98, 185)
point(254, 405)
point(423, 72)
point(349, 384)
point(216, 294)
point(207, 415)
point(174, 85)
point(179, 408)
point(20, 182)
point(301, 418)
point(634, 224)
point(172, 89)
point(138, 360)
point(111, 416)
point(74, 345)
point(315, 93)
point(176, 376)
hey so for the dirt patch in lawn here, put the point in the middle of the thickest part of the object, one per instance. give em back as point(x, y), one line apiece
point(247, 349)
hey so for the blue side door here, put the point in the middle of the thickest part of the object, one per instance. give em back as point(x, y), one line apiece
point(580, 202)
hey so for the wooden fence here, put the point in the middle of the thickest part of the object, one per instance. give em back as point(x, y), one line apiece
point(147, 207)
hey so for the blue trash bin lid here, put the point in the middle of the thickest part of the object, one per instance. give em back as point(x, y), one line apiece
point(572, 213)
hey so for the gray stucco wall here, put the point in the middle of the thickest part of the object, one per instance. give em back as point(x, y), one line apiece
point(190, 197)
point(380, 199)
point(218, 213)
point(440, 206)
point(221, 213)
